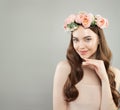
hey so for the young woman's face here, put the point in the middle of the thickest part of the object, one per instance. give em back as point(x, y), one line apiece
point(85, 42)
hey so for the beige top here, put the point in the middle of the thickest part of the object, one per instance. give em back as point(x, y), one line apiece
point(89, 93)
point(89, 98)
point(89, 88)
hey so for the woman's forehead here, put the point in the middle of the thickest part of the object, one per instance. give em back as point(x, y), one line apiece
point(83, 32)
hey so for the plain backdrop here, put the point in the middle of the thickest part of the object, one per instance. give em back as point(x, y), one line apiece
point(33, 41)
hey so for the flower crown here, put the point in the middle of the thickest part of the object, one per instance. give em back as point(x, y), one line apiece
point(86, 20)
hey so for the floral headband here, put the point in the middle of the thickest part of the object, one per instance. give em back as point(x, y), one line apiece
point(86, 20)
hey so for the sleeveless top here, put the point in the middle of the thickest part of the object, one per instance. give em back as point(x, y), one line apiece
point(89, 98)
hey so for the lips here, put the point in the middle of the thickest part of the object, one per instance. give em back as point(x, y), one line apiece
point(83, 52)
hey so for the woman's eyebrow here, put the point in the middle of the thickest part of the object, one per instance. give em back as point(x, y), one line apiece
point(75, 37)
point(86, 37)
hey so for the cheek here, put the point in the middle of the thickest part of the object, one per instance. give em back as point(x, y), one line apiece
point(92, 44)
point(75, 46)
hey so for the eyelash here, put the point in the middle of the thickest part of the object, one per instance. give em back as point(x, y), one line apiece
point(87, 39)
point(75, 40)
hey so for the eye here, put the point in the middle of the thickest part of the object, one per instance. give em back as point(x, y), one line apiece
point(88, 39)
point(75, 40)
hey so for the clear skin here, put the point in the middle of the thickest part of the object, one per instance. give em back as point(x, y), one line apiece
point(85, 43)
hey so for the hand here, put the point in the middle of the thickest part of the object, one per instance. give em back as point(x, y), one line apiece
point(98, 66)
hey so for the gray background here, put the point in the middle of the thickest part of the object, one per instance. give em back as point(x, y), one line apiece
point(33, 41)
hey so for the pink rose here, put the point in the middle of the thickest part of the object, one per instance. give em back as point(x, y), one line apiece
point(101, 22)
point(87, 20)
point(79, 18)
point(69, 20)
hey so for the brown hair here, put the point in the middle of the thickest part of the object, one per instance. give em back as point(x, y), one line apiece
point(76, 74)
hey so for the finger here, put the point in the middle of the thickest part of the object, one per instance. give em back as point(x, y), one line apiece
point(85, 63)
point(89, 65)
point(92, 62)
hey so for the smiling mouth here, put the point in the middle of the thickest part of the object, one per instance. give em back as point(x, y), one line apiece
point(83, 52)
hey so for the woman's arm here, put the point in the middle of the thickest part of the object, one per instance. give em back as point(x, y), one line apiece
point(107, 102)
point(106, 89)
point(61, 74)
point(117, 79)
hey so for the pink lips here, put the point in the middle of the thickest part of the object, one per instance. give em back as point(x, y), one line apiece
point(83, 52)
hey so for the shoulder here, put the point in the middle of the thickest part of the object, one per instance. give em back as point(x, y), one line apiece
point(61, 74)
point(116, 71)
point(63, 65)
point(62, 71)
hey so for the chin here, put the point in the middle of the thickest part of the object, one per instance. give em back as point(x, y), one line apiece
point(84, 57)
point(88, 56)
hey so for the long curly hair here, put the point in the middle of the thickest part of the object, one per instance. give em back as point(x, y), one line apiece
point(76, 74)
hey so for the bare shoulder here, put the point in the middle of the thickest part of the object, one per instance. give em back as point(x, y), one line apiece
point(116, 71)
point(63, 65)
point(62, 70)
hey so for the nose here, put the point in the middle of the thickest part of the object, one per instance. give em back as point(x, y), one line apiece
point(81, 45)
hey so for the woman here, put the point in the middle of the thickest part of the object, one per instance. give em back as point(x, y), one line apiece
point(86, 80)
